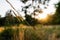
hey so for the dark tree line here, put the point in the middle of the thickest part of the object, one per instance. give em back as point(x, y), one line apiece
point(56, 17)
point(6, 21)
point(9, 19)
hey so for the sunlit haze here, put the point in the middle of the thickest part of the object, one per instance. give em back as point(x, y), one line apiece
point(50, 9)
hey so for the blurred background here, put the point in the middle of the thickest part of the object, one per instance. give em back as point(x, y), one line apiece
point(29, 19)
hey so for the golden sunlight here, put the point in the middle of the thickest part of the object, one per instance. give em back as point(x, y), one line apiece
point(46, 12)
point(42, 16)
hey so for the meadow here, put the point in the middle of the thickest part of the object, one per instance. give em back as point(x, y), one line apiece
point(23, 32)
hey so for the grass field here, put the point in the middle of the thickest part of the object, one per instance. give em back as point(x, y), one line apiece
point(23, 32)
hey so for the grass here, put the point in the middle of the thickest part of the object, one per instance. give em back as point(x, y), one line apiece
point(42, 32)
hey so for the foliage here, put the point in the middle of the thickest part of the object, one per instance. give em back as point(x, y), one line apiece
point(9, 19)
point(7, 34)
point(31, 21)
point(41, 33)
point(56, 18)
point(24, 1)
